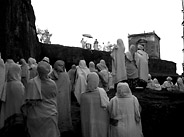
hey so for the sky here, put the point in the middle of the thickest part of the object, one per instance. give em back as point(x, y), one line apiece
point(108, 20)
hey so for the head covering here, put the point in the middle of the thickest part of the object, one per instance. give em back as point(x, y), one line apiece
point(120, 42)
point(32, 62)
point(7, 65)
point(14, 72)
point(149, 76)
point(59, 66)
point(140, 47)
point(2, 76)
point(169, 78)
point(131, 53)
point(43, 69)
point(155, 81)
point(92, 66)
point(73, 67)
point(103, 64)
point(92, 81)
point(82, 64)
point(82, 69)
point(46, 59)
point(123, 90)
point(179, 80)
point(24, 67)
point(23, 62)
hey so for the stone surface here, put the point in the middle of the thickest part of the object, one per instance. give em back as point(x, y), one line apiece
point(17, 30)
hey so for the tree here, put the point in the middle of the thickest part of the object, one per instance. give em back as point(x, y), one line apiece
point(44, 36)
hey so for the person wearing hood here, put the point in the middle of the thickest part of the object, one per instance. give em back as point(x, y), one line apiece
point(93, 108)
point(81, 77)
point(124, 110)
point(118, 63)
point(92, 67)
point(2, 77)
point(62, 80)
point(25, 72)
point(32, 68)
point(40, 105)
point(103, 74)
point(11, 118)
point(143, 69)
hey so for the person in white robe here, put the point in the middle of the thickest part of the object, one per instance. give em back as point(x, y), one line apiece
point(72, 76)
point(150, 82)
point(2, 77)
point(168, 84)
point(40, 105)
point(156, 85)
point(60, 76)
point(93, 108)
point(25, 72)
point(81, 77)
point(103, 74)
point(92, 67)
point(143, 69)
point(118, 63)
point(179, 85)
point(124, 110)
point(11, 118)
point(32, 68)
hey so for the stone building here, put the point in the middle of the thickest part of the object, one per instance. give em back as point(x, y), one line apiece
point(157, 67)
point(151, 43)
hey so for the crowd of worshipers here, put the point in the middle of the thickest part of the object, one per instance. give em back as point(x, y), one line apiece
point(167, 85)
point(39, 94)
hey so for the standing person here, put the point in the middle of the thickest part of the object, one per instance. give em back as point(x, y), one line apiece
point(72, 74)
point(11, 118)
point(8, 63)
point(41, 104)
point(25, 72)
point(94, 114)
point(103, 74)
point(2, 77)
point(92, 67)
point(95, 46)
point(124, 110)
point(143, 69)
point(118, 63)
point(81, 77)
point(62, 80)
point(46, 59)
point(32, 68)
point(83, 42)
point(131, 61)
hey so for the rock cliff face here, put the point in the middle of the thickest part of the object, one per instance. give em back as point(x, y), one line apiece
point(72, 55)
point(17, 30)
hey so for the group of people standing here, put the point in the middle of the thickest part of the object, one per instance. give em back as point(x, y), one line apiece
point(130, 66)
point(35, 96)
point(100, 115)
point(39, 94)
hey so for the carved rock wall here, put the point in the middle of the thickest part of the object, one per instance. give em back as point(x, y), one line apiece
point(17, 30)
